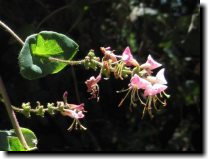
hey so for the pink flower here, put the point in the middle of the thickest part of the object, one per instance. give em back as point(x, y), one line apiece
point(154, 89)
point(150, 64)
point(127, 57)
point(92, 85)
point(108, 53)
point(92, 82)
point(74, 114)
point(139, 83)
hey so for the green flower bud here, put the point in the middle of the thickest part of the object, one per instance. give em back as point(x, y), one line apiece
point(40, 110)
point(26, 109)
point(51, 108)
point(91, 54)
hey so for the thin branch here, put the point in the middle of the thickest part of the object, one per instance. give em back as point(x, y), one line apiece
point(51, 14)
point(12, 116)
point(75, 84)
point(3, 25)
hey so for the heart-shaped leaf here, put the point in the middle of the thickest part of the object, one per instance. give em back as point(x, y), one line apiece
point(34, 56)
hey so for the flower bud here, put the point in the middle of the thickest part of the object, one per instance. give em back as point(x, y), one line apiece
point(26, 109)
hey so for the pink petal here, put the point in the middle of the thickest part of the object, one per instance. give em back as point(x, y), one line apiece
point(159, 87)
point(68, 112)
point(73, 114)
point(80, 115)
point(160, 77)
point(127, 57)
point(153, 63)
point(155, 89)
point(140, 83)
point(79, 107)
point(90, 83)
point(98, 78)
point(150, 64)
point(149, 91)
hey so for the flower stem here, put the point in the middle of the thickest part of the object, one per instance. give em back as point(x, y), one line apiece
point(12, 116)
point(3, 25)
point(79, 62)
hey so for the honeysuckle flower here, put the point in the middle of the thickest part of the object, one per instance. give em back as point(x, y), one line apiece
point(128, 59)
point(108, 53)
point(74, 114)
point(73, 111)
point(92, 85)
point(158, 86)
point(150, 64)
point(135, 84)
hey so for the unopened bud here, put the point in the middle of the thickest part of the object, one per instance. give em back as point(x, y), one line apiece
point(26, 109)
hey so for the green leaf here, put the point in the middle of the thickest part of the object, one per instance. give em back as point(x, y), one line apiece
point(29, 136)
point(15, 144)
point(10, 142)
point(33, 57)
point(46, 48)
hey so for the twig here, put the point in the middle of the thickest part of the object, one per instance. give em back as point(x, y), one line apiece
point(75, 84)
point(12, 116)
point(3, 25)
point(51, 14)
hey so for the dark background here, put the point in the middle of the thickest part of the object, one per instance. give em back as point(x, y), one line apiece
point(168, 30)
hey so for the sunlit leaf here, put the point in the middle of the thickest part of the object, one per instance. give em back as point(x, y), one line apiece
point(33, 57)
point(10, 142)
point(15, 144)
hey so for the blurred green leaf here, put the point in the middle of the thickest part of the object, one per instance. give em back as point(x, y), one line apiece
point(15, 144)
point(10, 142)
point(33, 57)
point(29, 135)
point(4, 144)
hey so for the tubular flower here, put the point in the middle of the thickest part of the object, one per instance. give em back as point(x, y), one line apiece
point(128, 59)
point(157, 87)
point(150, 64)
point(93, 87)
point(136, 83)
point(74, 114)
point(152, 86)
point(73, 111)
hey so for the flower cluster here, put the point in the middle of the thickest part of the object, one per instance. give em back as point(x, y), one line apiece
point(151, 86)
point(141, 78)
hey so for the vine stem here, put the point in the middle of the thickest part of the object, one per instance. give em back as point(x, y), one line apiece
point(12, 115)
point(3, 25)
point(7, 103)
